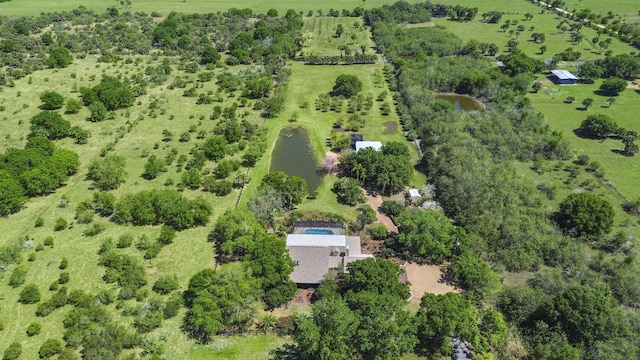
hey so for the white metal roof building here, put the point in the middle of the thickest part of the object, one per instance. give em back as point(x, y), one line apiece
point(375, 145)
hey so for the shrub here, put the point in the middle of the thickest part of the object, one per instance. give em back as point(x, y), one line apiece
point(167, 234)
point(166, 284)
point(51, 100)
point(34, 329)
point(48, 241)
point(124, 241)
point(64, 263)
point(60, 224)
point(586, 214)
point(64, 278)
point(29, 294)
point(378, 232)
point(18, 276)
point(152, 251)
point(94, 229)
point(13, 351)
point(50, 348)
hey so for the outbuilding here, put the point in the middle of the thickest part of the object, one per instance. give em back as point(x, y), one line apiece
point(563, 77)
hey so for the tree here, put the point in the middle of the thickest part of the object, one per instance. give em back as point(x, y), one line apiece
point(376, 276)
point(543, 49)
point(428, 234)
point(587, 103)
point(215, 147)
point(610, 102)
point(12, 195)
point(536, 86)
point(598, 126)
point(590, 71)
point(209, 55)
point(339, 30)
point(29, 294)
point(266, 204)
point(585, 314)
point(613, 85)
point(50, 348)
point(166, 284)
point(99, 112)
point(51, 100)
point(292, 188)
point(154, 167)
point(442, 316)
point(108, 173)
point(348, 191)
point(628, 139)
point(586, 214)
point(59, 58)
point(347, 86)
point(50, 125)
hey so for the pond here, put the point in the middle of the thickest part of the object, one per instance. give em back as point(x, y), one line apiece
point(461, 102)
point(292, 155)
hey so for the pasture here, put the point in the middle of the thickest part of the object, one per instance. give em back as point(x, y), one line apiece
point(321, 38)
point(621, 171)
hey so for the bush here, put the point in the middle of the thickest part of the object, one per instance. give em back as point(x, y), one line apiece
point(392, 208)
point(124, 241)
point(613, 85)
point(18, 276)
point(60, 224)
point(167, 234)
point(152, 251)
point(64, 278)
point(598, 126)
point(51, 100)
point(378, 232)
point(29, 294)
point(64, 263)
point(94, 229)
point(13, 351)
point(48, 241)
point(166, 284)
point(50, 348)
point(33, 329)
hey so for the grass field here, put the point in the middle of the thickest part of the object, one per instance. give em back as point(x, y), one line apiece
point(622, 171)
point(627, 9)
point(320, 39)
point(556, 41)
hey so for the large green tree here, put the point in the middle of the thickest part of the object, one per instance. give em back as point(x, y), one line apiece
point(429, 233)
point(50, 124)
point(598, 126)
point(293, 189)
point(586, 214)
point(59, 58)
point(347, 85)
point(109, 172)
point(51, 100)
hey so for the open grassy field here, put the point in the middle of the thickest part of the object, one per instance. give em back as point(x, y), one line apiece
point(320, 35)
point(623, 172)
point(629, 10)
point(556, 41)
point(35, 7)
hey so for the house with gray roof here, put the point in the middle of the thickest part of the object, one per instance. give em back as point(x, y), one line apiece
point(316, 251)
point(563, 77)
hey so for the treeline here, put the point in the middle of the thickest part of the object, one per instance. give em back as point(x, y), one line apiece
point(36, 170)
point(344, 59)
point(561, 312)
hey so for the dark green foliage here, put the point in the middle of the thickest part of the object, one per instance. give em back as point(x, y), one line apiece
point(292, 189)
point(150, 317)
point(258, 88)
point(585, 314)
point(18, 276)
point(162, 207)
point(622, 66)
point(387, 171)
point(347, 86)
point(613, 85)
point(94, 229)
point(29, 294)
point(443, 316)
point(51, 125)
point(103, 203)
point(34, 329)
point(73, 106)
point(586, 214)
point(108, 172)
point(517, 62)
point(13, 351)
point(376, 276)
point(99, 111)
point(111, 92)
point(598, 126)
point(473, 274)
point(167, 234)
point(59, 58)
point(209, 55)
point(348, 191)
point(218, 187)
point(12, 195)
point(428, 233)
point(166, 284)
point(123, 269)
point(154, 167)
point(215, 147)
point(51, 100)
point(173, 305)
point(219, 300)
point(60, 224)
point(152, 251)
point(50, 348)
point(590, 71)
point(64, 263)
point(64, 278)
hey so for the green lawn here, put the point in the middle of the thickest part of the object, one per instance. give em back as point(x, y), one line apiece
point(623, 172)
point(627, 9)
point(254, 347)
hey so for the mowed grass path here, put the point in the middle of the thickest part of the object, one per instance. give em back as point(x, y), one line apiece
point(35, 7)
point(622, 171)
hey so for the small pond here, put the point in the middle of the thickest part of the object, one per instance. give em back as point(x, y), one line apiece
point(292, 155)
point(461, 102)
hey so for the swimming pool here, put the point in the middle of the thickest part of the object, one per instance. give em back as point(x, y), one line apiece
point(318, 232)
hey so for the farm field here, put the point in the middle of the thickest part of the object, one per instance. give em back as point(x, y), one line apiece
point(320, 35)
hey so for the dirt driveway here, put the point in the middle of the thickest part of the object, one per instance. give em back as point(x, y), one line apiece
point(375, 202)
point(426, 279)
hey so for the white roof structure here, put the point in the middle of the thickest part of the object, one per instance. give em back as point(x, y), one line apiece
point(414, 194)
point(375, 145)
point(316, 254)
point(564, 75)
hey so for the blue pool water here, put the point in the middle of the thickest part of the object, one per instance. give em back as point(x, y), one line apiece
point(318, 232)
